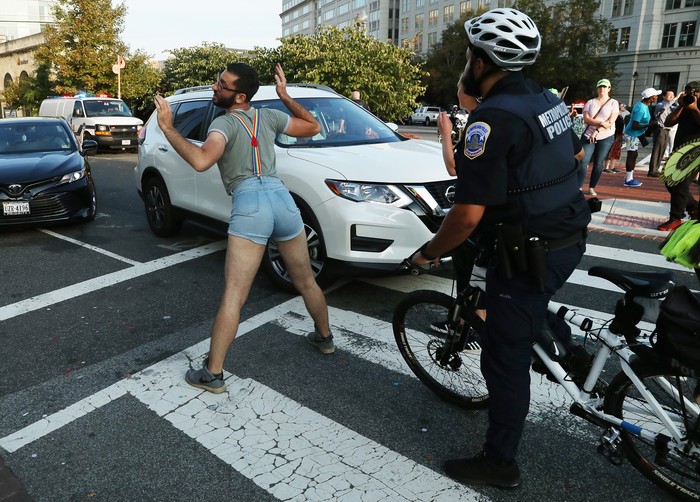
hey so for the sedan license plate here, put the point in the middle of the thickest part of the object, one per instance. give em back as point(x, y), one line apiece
point(15, 208)
point(126, 142)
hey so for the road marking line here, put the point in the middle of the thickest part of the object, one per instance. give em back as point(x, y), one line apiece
point(104, 281)
point(285, 448)
point(89, 246)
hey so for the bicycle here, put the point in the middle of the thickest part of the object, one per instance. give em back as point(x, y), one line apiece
point(650, 411)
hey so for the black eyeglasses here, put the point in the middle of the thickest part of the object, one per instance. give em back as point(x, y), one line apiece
point(220, 85)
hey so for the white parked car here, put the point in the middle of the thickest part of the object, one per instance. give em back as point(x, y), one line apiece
point(425, 115)
point(369, 197)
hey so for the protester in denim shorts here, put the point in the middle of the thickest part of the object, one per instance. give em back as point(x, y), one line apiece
point(242, 143)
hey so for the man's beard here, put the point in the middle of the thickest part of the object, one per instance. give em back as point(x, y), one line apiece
point(219, 100)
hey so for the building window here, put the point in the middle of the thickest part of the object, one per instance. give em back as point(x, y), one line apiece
point(692, 3)
point(432, 40)
point(405, 5)
point(687, 34)
point(433, 1)
point(419, 42)
point(463, 6)
point(612, 40)
point(433, 17)
point(505, 4)
point(673, 4)
point(616, 8)
point(344, 9)
point(448, 14)
point(624, 38)
point(668, 39)
point(328, 15)
point(420, 4)
point(404, 25)
point(629, 7)
point(419, 21)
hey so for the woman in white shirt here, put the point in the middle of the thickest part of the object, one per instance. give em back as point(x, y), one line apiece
point(599, 115)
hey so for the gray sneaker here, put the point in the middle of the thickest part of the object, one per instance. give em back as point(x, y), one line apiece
point(325, 345)
point(205, 379)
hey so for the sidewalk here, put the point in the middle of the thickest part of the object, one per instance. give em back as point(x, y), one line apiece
point(632, 211)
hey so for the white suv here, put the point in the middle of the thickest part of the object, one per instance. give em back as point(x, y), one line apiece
point(368, 196)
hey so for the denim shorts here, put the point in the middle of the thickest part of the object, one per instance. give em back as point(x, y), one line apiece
point(262, 209)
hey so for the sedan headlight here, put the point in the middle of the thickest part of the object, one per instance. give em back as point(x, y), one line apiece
point(74, 176)
point(369, 192)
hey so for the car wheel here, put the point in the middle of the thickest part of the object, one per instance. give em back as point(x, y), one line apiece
point(159, 212)
point(276, 270)
point(93, 203)
point(427, 121)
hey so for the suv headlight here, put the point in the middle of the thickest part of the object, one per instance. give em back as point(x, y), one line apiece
point(102, 130)
point(369, 192)
point(74, 176)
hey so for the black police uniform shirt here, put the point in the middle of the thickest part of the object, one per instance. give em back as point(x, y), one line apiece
point(688, 128)
point(519, 137)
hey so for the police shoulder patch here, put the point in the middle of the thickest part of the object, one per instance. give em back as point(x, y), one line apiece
point(475, 139)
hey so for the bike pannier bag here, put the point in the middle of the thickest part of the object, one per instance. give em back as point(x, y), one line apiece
point(677, 334)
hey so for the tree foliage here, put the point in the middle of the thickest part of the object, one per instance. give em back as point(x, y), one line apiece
point(82, 45)
point(140, 80)
point(348, 59)
point(573, 37)
point(193, 66)
point(445, 63)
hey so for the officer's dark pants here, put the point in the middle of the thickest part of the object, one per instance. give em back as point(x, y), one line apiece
point(515, 313)
point(682, 200)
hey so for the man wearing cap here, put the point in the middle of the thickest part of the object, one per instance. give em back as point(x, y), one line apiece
point(637, 126)
point(687, 116)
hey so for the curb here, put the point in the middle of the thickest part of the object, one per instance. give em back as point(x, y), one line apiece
point(11, 490)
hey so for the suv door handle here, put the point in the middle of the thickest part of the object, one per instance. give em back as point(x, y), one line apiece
point(162, 148)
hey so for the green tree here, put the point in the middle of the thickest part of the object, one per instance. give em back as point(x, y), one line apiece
point(82, 45)
point(573, 39)
point(193, 66)
point(445, 63)
point(140, 81)
point(348, 59)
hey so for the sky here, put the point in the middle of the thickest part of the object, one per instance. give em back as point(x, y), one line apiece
point(158, 25)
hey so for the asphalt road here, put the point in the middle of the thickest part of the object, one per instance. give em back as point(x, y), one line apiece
point(99, 322)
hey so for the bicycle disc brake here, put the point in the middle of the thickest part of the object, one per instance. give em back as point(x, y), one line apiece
point(437, 350)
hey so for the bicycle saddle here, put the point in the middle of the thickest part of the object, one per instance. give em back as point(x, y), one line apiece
point(644, 284)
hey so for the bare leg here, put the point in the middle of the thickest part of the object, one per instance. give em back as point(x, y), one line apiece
point(296, 258)
point(242, 262)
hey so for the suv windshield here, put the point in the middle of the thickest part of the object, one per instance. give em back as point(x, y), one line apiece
point(106, 108)
point(26, 138)
point(343, 123)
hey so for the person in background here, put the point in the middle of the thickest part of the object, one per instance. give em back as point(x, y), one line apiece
point(355, 97)
point(634, 133)
point(661, 133)
point(242, 143)
point(516, 175)
point(687, 117)
point(599, 115)
point(615, 152)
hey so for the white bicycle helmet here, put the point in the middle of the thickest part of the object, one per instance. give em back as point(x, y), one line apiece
point(509, 37)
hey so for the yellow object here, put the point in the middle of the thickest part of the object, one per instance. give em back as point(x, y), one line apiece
point(682, 246)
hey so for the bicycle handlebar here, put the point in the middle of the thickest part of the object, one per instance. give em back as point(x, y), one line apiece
point(408, 267)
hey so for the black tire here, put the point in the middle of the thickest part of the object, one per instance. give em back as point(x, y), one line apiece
point(680, 474)
point(409, 121)
point(160, 213)
point(276, 270)
point(427, 122)
point(93, 202)
point(461, 384)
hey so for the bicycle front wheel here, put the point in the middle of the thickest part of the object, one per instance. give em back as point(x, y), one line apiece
point(457, 379)
point(676, 470)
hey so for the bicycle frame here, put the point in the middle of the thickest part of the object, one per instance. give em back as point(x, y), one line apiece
point(611, 344)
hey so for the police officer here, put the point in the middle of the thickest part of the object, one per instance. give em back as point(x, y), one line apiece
point(517, 182)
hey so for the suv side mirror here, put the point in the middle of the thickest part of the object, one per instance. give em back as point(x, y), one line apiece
point(89, 147)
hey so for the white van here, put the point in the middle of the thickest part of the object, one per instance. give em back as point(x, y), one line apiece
point(105, 120)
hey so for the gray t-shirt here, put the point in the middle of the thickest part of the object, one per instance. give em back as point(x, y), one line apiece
point(236, 163)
